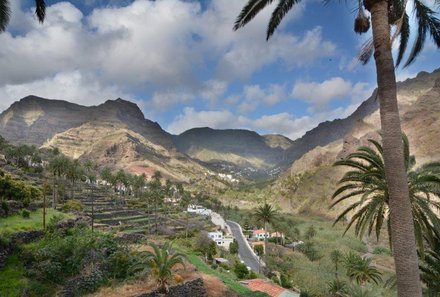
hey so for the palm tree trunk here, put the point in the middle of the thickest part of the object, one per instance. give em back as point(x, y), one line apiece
point(402, 226)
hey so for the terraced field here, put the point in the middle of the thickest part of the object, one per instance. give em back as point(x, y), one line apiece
point(111, 212)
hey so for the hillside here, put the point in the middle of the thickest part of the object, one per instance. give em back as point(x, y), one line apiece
point(419, 102)
point(244, 150)
point(114, 133)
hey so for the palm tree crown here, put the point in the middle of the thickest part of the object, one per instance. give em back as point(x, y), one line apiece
point(265, 214)
point(161, 261)
point(426, 22)
point(367, 181)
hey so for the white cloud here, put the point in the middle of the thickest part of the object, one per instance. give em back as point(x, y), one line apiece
point(153, 46)
point(72, 86)
point(213, 119)
point(335, 88)
point(280, 123)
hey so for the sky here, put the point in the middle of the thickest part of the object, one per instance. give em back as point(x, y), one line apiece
point(185, 67)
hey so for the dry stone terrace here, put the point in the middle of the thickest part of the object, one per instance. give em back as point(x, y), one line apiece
point(111, 211)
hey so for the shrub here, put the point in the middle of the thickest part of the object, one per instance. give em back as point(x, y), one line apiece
point(5, 207)
point(25, 213)
point(11, 189)
point(379, 250)
point(241, 270)
point(308, 249)
point(73, 205)
point(285, 282)
point(311, 232)
point(233, 247)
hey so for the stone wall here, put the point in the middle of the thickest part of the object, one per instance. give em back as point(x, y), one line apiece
point(15, 240)
point(193, 288)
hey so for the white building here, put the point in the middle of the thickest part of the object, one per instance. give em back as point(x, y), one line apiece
point(197, 209)
point(220, 239)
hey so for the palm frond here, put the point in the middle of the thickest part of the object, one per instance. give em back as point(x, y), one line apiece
point(426, 22)
point(404, 38)
point(5, 14)
point(249, 11)
point(284, 6)
point(40, 10)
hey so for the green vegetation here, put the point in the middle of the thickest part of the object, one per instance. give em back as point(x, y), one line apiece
point(16, 222)
point(161, 262)
point(13, 189)
point(371, 211)
point(72, 205)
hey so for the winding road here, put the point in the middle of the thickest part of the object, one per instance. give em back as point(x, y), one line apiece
point(244, 250)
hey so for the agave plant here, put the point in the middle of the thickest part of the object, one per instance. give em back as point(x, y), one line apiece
point(367, 183)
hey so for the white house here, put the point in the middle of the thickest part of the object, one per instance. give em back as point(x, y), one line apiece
point(260, 234)
point(217, 237)
point(197, 209)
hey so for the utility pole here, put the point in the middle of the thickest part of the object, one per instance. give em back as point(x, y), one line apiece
point(93, 208)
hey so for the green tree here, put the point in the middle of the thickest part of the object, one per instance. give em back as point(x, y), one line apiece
point(360, 269)
point(385, 15)
point(337, 288)
point(5, 12)
point(57, 166)
point(161, 261)
point(430, 268)
point(74, 172)
point(372, 209)
point(233, 247)
point(336, 257)
point(240, 270)
point(205, 245)
point(265, 214)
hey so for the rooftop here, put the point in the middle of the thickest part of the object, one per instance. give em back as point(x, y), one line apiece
point(268, 288)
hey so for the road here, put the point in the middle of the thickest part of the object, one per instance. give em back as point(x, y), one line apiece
point(244, 250)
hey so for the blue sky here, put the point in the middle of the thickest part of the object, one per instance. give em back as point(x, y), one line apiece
point(183, 65)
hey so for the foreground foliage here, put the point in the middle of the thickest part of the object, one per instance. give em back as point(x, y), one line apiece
point(371, 209)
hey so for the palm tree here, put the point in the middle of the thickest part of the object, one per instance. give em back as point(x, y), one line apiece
point(337, 288)
point(161, 261)
point(58, 166)
point(5, 12)
point(266, 215)
point(74, 172)
point(360, 269)
point(385, 15)
point(430, 268)
point(336, 257)
point(367, 180)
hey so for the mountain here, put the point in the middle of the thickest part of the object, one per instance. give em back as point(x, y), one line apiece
point(237, 148)
point(318, 149)
point(114, 133)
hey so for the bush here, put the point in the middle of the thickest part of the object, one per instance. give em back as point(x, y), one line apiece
point(72, 205)
point(11, 189)
point(25, 213)
point(241, 270)
point(379, 250)
point(285, 282)
point(308, 249)
point(311, 232)
point(233, 247)
point(5, 207)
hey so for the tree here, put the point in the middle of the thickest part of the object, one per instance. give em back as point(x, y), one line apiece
point(336, 257)
point(360, 269)
point(161, 261)
point(385, 14)
point(337, 288)
point(367, 180)
point(266, 215)
point(185, 201)
point(430, 268)
point(5, 12)
point(57, 166)
point(205, 245)
point(74, 172)
point(46, 190)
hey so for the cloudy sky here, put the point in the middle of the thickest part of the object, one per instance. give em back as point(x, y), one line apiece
point(182, 63)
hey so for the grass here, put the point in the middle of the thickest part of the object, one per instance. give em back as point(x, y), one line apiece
point(230, 282)
point(13, 281)
point(17, 223)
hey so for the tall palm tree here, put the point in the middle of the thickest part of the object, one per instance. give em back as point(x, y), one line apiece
point(5, 12)
point(367, 180)
point(57, 166)
point(161, 261)
point(385, 15)
point(266, 215)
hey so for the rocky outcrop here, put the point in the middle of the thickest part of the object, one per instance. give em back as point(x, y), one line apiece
point(188, 289)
